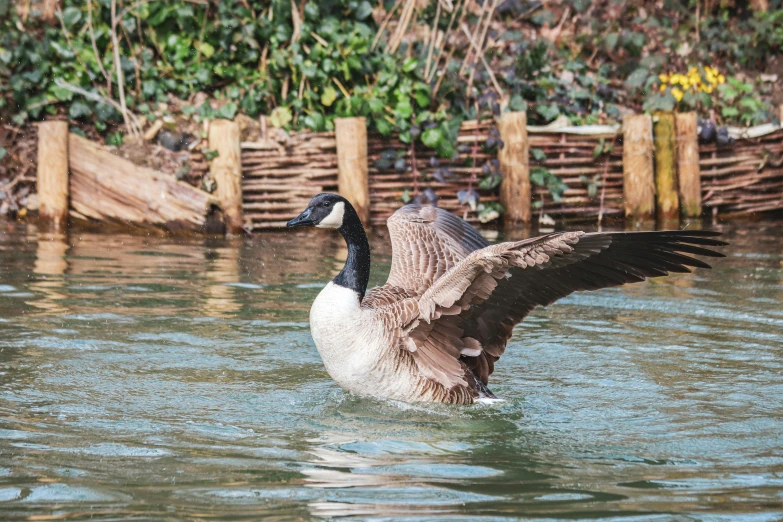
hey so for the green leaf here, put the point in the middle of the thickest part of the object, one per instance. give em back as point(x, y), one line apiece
point(328, 96)
point(78, 109)
point(364, 10)
point(432, 137)
point(538, 154)
point(548, 111)
point(517, 103)
point(62, 50)
point(376, 105)
point(60, 93)
point(659, 102)
point(637, 78)
point(410, 64)
point(489, 182)
point(3, 153)
point(114, 138)
point(227, 111)
point(403, 109)
point(611, 41)
point(406, 196)
point(422, 99)
point(314, 121)
point(729, 112)
point(280, 117)
point(206, 49)
point(71, 16)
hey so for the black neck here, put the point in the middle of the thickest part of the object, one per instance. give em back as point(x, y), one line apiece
point(356, 272)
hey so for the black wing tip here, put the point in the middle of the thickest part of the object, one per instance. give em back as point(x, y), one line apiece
point(697, 237)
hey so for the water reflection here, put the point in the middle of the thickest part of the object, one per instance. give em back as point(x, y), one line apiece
point(148, 377)
point(223, 275)
point(50, 267)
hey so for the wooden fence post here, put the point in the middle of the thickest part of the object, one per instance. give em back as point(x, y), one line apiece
point(514, 165)
point(689, 173)
point(52, 173)
point(352, 168)
point(638, 178)
point(226, 170)
point(668, 204)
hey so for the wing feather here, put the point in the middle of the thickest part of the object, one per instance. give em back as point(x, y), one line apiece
point(426, 243)
point(495, 287)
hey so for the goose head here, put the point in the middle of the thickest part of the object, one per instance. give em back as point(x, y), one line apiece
point(325, 211)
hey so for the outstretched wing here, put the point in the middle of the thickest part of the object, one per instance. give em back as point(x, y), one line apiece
point(426, 243)
point(494, 288)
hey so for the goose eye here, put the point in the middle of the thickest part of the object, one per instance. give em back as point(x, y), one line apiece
point(326, 204)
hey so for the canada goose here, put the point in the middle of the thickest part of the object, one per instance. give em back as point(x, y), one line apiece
point(434, 331)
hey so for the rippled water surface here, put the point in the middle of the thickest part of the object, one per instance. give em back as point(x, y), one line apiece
point(147, 378)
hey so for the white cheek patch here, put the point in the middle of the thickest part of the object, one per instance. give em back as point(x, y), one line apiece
point(335, 217)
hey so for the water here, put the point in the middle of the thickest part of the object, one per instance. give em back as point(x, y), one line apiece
point(149, 377)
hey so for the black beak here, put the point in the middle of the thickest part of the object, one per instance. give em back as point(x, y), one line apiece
point(302, 220)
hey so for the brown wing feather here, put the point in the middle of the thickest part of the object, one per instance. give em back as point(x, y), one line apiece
point(494, 288)
point(426, 243)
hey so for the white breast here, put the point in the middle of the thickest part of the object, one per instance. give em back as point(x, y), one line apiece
point(343, 337)
point(356, 348)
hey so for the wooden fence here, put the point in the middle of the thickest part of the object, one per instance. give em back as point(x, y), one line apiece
point(607, 171)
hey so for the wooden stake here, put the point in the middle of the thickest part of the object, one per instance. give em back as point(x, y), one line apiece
point(668, 203)
point(52, 175)
point(689, 174)
point(638, 178)
point(352, 168)
point(515, 187)
point(226, 170)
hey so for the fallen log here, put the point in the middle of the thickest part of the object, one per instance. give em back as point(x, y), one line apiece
point(106, 187)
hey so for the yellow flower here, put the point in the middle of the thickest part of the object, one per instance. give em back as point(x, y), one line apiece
point(692, 71)
point(663, 88)
point(708, 89)
point(664, 78)
point(676, 78)
point(677, 93)
point(721, 78)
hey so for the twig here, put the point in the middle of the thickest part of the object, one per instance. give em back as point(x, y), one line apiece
point(433, 37)
point(402, 26)
point(481, 44)
point(98, 98)
point(59, 16)
point(445, 39)
point(138, 4)
point(383, 25)
point(118, 68)
point(95, 46)
point(484, 61)
point(319, 39)
point(415, 168)
point(474, 152)
point(603, 183)
point(201, 35)
point(342, 88)
point(469, 54)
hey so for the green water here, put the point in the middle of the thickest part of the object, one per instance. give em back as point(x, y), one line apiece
point(144, 378)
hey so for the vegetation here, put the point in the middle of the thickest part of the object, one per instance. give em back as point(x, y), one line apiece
point(112, 65)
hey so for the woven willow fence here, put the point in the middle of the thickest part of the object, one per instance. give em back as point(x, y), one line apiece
point(263, 184)
point(744, 179)
point(280, 177)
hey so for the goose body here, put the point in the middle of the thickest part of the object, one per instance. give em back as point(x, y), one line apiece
point(434, 331)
